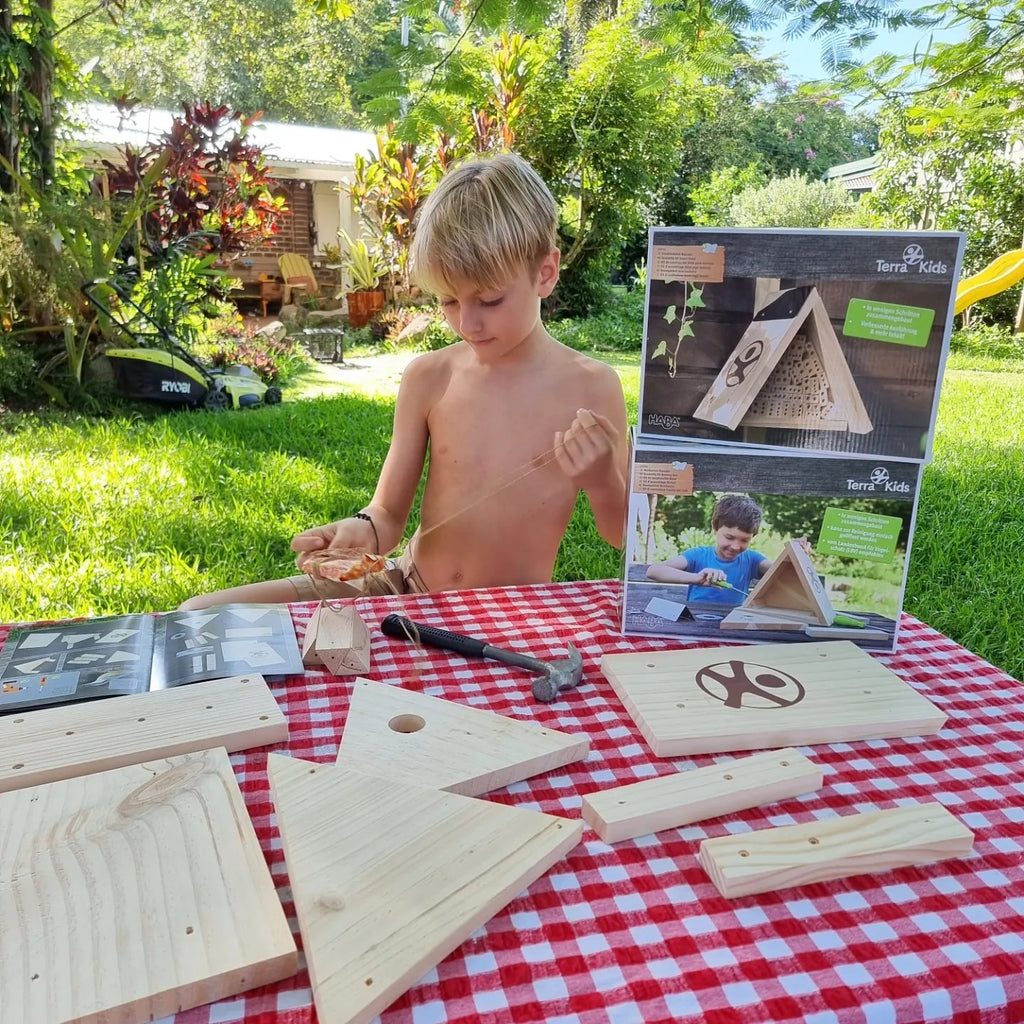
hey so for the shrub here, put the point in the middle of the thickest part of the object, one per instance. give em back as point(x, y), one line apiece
point(17, 371)
point(790, 202)
point(274, 362)
point(619, 328)
point(992, 341)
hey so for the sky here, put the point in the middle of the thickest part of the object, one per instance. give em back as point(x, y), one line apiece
point(802, 56)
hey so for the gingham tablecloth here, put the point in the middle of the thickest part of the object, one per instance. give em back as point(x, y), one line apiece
point(636, 932)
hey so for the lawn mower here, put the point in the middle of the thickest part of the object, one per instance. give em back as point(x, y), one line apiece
point(157, 368)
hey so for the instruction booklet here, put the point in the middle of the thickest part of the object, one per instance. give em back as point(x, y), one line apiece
point(68, 662)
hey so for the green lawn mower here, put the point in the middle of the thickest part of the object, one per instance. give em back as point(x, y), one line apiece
point(166, 372)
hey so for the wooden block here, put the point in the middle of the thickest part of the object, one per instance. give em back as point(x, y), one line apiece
point(47, 744)
point(309, 656)
point(846, 633)
point(342, 640)
point(703, 701)
point(857, 844)
point(388, 878)
point(132, 894)
point(673, 800)
point(433, 742)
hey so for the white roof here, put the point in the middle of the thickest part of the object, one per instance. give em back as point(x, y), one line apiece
point(284, 144)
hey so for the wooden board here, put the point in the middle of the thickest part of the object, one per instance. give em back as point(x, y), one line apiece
point(342, 640)
point(702, 701)
point(624, 812)
point(857, 844)
point(388, 878)
point(433, 742)
point(132, 894)
point(58, 743)
point(768, 618)
point(309, 656)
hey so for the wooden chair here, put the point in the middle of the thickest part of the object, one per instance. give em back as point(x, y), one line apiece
point(298, 276)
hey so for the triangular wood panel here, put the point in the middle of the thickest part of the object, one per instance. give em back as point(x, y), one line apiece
point(787, 371)
point(712, 700)
point(792, 585)
point(388, 878)
point(433, 742)
point(133, 894)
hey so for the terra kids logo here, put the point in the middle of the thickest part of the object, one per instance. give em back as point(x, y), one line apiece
point(913, 261)
point(879, 480)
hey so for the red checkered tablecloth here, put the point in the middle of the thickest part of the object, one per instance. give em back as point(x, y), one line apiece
point(635, 933)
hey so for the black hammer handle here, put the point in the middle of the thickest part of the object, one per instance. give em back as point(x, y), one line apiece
point(405, 629)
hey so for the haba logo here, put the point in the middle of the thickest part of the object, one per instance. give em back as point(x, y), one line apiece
point(657, 419)
point(737, 371)
point(913, 261)
point(739, 684)
point(879, 480)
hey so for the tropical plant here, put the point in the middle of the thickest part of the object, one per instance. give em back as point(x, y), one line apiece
point(363, 264)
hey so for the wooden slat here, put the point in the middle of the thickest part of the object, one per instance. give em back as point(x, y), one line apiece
point(47, 744)
point(857, 844)
point(388, 878)
point(772, 695)
point(680, 799)
point(132, 894)
point(433, 742)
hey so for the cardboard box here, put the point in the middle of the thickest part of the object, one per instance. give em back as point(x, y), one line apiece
point(798, 340)
point(845, 582)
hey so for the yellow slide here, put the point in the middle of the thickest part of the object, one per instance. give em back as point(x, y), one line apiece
point(1000, 274)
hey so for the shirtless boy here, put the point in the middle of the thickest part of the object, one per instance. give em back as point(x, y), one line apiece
point(516, 424)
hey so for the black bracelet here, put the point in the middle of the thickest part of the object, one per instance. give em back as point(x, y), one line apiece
point(376, 539)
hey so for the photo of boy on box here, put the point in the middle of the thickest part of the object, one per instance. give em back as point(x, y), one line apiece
point(729, 562)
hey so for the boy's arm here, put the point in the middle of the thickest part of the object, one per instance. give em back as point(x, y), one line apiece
point(594, 455)
point(674, 570)
point(396, 486)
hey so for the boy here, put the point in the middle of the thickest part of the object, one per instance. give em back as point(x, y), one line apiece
point(515, 423)
point(735, 521)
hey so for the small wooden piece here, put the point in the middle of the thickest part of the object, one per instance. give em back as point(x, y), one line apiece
point(133, 894)
point(47, 744)
point(767, 618)
point(703, 701)
point(388, 878)
point(673, 800)
point(309, 656)
point(857, 844)
point(341, 640)
point(433, 742)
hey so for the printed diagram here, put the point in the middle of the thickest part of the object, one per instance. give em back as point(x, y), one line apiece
point(787, 370)
point(135, 653)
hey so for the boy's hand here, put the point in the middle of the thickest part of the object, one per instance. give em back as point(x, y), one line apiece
point(346, 534)
point(586, 452)
point(708, 577)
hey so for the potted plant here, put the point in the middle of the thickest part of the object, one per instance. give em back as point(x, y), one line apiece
point(364, 267)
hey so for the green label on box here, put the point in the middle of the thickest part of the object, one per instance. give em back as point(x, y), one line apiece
point(851, 534)
point(887, 321)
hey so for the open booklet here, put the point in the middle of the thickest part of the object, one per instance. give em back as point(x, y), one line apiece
point(105, 657)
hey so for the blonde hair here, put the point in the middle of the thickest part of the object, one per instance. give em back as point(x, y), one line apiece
point(486, 221)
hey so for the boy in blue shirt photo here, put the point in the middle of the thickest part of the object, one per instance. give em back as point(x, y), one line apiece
point(735, 521)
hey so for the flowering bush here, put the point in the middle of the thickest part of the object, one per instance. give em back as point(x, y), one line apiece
point(274, 362)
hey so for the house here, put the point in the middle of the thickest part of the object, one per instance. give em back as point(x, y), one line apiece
point(858, 176)
point(311, 165)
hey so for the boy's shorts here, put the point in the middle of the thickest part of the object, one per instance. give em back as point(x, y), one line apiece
point(400, 577)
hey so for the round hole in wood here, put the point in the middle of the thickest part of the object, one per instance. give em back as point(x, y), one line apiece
point(70, 732)
point(649, 664)
point(369, 981)
point(680, 705)
point(728, 778)
point(18, 765)
point(814, 840)
point(18, 721)
point(785, 764)
point(140, 719)
point(188, 930)
point(406, 723)
point(744, 853)
point(263, 718)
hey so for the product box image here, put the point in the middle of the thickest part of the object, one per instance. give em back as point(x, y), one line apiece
point(798, 340)
point(762, 546)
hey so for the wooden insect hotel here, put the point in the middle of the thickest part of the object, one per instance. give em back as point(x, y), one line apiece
point(787, 371)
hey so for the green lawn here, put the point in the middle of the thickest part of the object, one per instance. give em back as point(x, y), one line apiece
point(135, 514)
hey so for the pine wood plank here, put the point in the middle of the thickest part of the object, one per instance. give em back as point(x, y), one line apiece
point(309, 656)
point(388, 878)
point(625, 812)
point(702, 701)
point(131, 894)
point(48, 744)
point(342, 640)
point(857, 844)
point(433, 742)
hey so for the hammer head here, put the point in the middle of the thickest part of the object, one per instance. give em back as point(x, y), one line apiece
point(560, 675)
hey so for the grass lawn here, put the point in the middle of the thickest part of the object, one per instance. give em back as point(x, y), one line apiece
point(135, 514)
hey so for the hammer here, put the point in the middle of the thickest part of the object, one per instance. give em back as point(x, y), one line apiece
point(552, 676)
